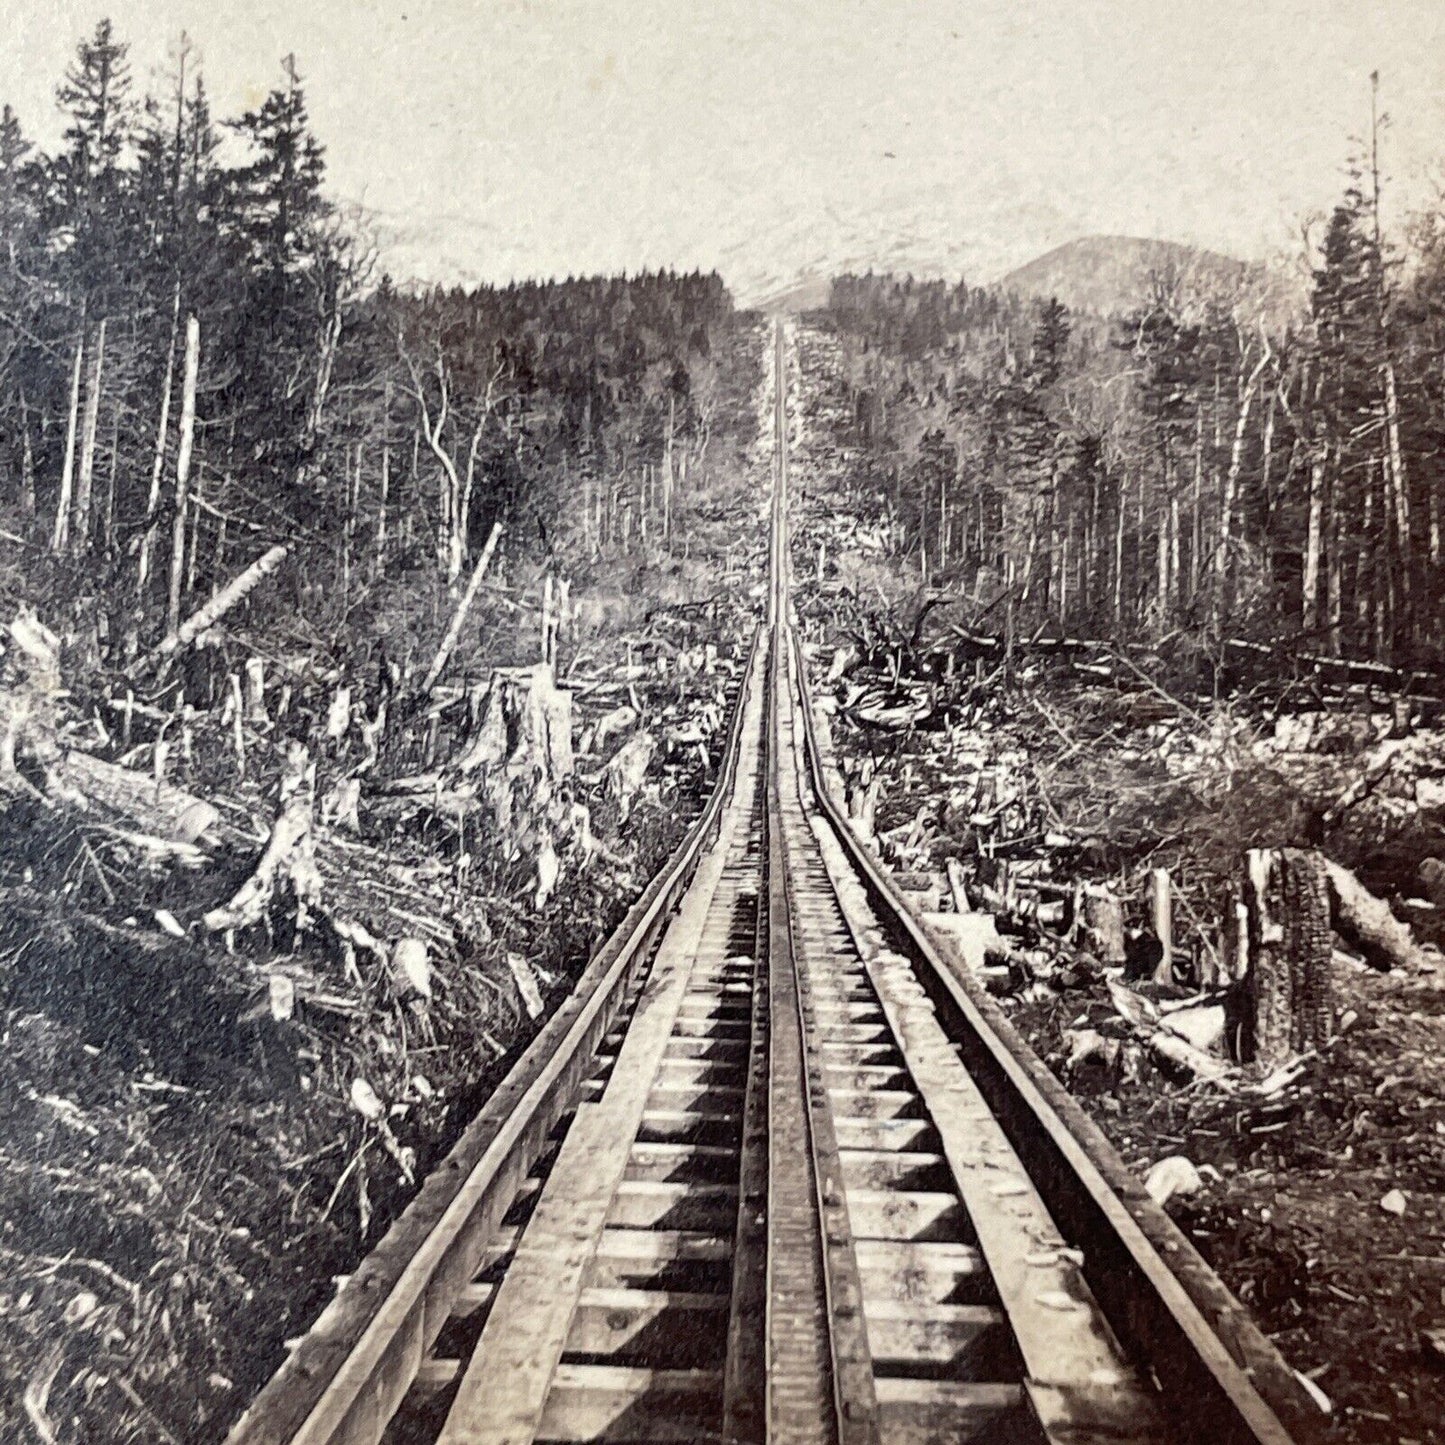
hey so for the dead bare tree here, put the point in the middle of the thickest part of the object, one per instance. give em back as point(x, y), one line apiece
point(458, 476)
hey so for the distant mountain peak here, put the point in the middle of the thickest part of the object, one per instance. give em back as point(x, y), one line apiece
point(1113, 274)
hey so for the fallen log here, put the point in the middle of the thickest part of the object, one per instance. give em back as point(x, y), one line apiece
point(236, 590)
point(1173, 1050)
point(157, 808)
point(1353, 669)
point(1143, 1017)
point(454, 628)
point(1369, 924)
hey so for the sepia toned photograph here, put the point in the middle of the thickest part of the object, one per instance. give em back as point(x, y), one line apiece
point(722, 723)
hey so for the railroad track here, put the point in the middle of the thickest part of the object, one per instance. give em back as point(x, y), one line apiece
point(777, 1172)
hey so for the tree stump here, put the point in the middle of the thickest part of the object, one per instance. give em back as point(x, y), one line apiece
point(1161, 918)
point(1103, 924)
point(521, 743)
point(1286, 995)
point(256, 692)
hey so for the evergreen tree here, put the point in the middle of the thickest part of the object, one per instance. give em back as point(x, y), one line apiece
point(87, 179)
point(278, 196)
point(15, 210)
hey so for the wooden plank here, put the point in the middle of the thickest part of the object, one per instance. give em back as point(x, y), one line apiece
point(695, 1098)
point(888, 1168)
point(879, 1051)
point(612, 1321)
point(472, 1298)
point(711, 1029)
point(883, 1133)
point(656, 1203)
point(934, 1412)
point(907, 1214)
point(691, 1072)
point(527, 1327)
point(650, 1259)
point(679, 1161)
point(435, 1375)
point(867, 1032)
point(664, 1244)
point(610, 1402)
point(1088, 1413)
point(722, 1050)
point(864, 1078)
point(688, 1126)
point(932, 1257)
point(856, 1011)
point(873, 1103)
point(968, 1340)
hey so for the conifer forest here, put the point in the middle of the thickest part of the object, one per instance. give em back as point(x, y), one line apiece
point(389, 666)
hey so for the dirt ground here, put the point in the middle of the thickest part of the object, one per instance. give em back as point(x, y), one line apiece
point(1293, 1221)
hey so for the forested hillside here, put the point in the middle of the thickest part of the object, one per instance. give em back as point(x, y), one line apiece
point(198, 359)
point(1186, 464)
point(364, 651)
point(1107, 275)
point(1108, 610)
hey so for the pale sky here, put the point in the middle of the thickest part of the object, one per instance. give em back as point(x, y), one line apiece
point(506, 138)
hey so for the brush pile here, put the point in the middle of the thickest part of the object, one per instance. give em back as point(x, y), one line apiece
point(273, 925)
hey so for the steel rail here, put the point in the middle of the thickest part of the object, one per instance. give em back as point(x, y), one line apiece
point(344, 1379)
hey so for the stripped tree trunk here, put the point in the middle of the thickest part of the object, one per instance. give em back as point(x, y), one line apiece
point(1399, 488)
point(60, 537)
point(454, 629)
point(183, 470)
point(1314, 537)
point(1236, 460)
point(107, 531)
point(235, 591)
point(27, 462)
point(85, 481)
point(1119, 551)
point(153, 500)
point(384, 496)
point(1161, 920)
